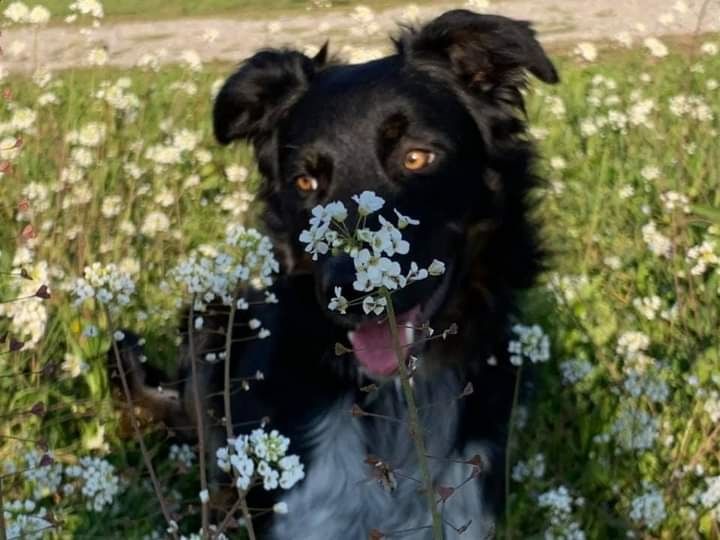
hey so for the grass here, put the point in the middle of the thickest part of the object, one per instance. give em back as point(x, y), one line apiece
point(162, 9)
point(596, 205)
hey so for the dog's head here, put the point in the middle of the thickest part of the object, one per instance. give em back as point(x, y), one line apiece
point(428, 129)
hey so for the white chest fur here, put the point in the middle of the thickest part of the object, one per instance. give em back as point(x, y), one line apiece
point(339, 499)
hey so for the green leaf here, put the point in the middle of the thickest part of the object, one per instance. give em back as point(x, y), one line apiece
point(707, 212)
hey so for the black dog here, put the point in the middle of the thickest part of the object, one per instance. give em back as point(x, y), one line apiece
point(437, 130)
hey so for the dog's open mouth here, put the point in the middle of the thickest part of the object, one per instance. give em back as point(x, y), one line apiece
point(373, 345)
point(372, 340)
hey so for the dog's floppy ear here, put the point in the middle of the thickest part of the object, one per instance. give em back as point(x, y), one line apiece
point(261, 91)
point(481, 50)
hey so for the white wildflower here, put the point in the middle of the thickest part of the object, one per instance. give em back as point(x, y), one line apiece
point(17, 12)
point(236, 173)
point(98, 57)
point(648, 509)
point(368, 202)
point(658, 243)
point(656, 47)
point(531, 344)
point(154, 223)
point(574, 371)
point(587, 51)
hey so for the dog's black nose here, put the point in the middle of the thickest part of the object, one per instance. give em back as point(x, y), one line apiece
point(337, 271)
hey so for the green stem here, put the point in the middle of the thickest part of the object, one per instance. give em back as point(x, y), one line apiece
point(3, 534)
point(242, 501)
point(516, 393)
point(226, 392)
point(136, 429)
point(199, 419)
point(415, 426)
point(248, 517)
point(228, 517)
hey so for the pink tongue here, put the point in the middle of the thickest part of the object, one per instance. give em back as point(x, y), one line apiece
point(373, 346)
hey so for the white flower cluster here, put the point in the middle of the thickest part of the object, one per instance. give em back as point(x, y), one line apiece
point(702, 257)
point(532, 468)
point(710, 48)
point(635, 429)
point(92, 8)
point(559, 500)
point(712, 406)
point(632, 344)
point(22, 120)
point(45, 478)
point(575, 370)
point(245, 257)
point(175, 528)
point(568, 288)
point(30, 316)
point(648, 385)
point(648, 509)
point(236, 173)
point(710, 498)
point(90, 135)
point(9, 148)
point(607, 105)
point(640, 111)
point(559, 503)
point(556, 106)
point(365, 21)
point(191, 59)
point(155, 222)
point(182, 454)
point(658, 243)
point(586, 50)
point(119, 97)
point(673, 200)
point(655, 47)
point(260, 456)
point(98, 56)
point(24, 520)
point(182, 143)
point(648, 306)
point(92, 479)
point(650, 173)
point(99, 483)
point(370, 250)
point(108, 285)
point(531, 344)
point(18, 12)
point(693, 107)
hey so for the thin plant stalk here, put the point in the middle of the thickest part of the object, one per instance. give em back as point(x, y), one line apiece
point(242, 502)
point(516, 394)
point(248, 517)
point(200, 421)
point(226, 387)
point(3, 534)
point(415, 426)
point(228, 517)
point(139, 436)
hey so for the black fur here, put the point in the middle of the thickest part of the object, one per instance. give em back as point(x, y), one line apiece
point(453, 87)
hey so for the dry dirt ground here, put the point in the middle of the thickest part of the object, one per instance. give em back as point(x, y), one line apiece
point(60, 46)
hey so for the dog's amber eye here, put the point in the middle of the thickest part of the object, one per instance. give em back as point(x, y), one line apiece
point(418, 159)
point(306, 184)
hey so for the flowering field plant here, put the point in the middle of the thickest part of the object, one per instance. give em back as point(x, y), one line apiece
point(116, 205)
point(371, 251)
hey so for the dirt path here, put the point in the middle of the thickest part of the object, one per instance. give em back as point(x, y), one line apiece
point(557, 20)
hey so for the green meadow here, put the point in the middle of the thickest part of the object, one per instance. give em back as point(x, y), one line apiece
point(617, 435)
